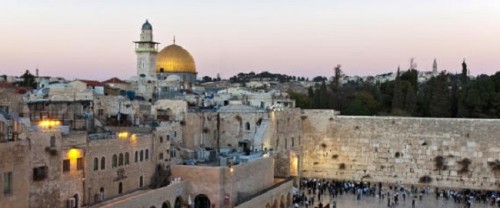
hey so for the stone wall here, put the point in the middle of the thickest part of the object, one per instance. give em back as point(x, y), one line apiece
point(397, 149)
point(281, 194)
point(152, 198)
point(15, 158)
point(216, 182)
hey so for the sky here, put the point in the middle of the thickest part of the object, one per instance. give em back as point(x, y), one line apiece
point(92, 39)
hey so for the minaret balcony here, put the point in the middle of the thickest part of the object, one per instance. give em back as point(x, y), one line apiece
point(146, 50)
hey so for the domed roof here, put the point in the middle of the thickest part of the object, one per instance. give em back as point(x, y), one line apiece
point(147, 26)
point(175, 59)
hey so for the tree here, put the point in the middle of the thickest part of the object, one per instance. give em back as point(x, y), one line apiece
point(439, 102)
point(206, 79)
point(363, 104)
point(301, 100)
point(28, 80)
point(397, 98)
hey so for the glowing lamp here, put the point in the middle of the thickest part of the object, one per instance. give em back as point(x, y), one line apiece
point(231, 170)
point(123, 135)
point(133, 138)
point(73, 153)
point(49, 123)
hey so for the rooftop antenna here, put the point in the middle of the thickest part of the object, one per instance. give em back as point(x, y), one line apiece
point(174, 39)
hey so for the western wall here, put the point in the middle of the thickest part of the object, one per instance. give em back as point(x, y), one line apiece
point(440, 152)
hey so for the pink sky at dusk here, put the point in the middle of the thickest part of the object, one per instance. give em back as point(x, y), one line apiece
point(93, 39)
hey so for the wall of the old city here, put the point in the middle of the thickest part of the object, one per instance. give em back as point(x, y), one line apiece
point(397, 149)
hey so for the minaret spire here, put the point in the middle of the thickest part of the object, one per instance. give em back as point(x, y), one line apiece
point(174, 39)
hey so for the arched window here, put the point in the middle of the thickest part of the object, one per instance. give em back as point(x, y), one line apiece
point(161, 139)
point(114, 161)
point(147, 154)
point(136, 156)
point(142, 155)
point(247, 126)
point(96, 163)
point(103, 163)
point(126, 158)
point(120, 160)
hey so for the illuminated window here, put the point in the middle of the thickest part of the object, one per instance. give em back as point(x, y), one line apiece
point(96, 164)
point(114, 161)
point(79, 163)
point(7, 183)
point(66, 164)
point(120, 160)
point(126, 158)
point(103, 163)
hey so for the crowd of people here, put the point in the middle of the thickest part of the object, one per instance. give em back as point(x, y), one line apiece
point(315, 190)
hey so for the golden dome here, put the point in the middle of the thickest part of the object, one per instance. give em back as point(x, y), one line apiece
point(175, 59)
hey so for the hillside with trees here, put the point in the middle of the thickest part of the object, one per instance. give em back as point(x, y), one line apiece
point(444, 95)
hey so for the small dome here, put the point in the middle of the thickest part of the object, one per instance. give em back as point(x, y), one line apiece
point(147, 26)
point(175, 59)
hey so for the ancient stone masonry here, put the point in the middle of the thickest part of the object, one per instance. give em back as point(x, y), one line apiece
point(436, 151)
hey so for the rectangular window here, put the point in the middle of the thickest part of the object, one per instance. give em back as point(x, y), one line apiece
point(160, 156)
point(66, 165)
point(100, 112)
point(52, 141)
point(40, 173)
point(79, 163)
point(7, 183)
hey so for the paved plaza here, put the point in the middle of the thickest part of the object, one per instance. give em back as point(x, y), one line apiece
point(428, 201)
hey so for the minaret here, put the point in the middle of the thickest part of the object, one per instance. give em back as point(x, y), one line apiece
point(435, 68)
point(146, 51)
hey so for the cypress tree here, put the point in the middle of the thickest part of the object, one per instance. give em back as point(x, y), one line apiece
point(397, 98)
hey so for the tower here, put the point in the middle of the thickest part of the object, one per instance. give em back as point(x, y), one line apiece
point(146, 51)
point(434, 67)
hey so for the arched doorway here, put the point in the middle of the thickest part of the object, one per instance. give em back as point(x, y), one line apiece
point(288, 200)
point(76, 200)
point(178, 202)
point(120, 188)
point(165, 204)
point(275, 204)
point(282, 202)
point(201, 201)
